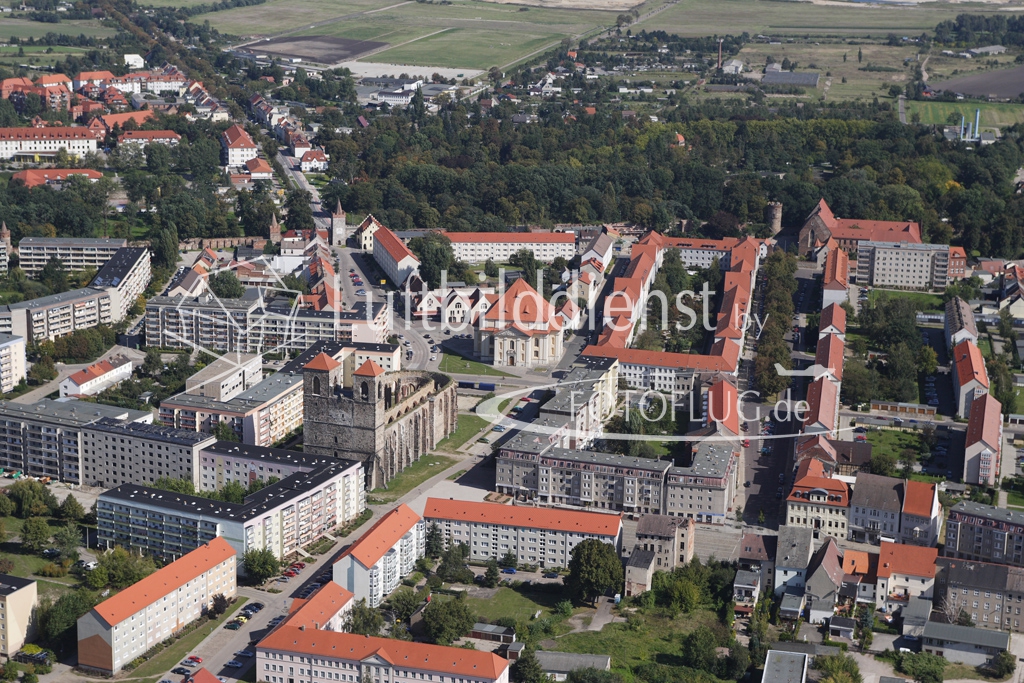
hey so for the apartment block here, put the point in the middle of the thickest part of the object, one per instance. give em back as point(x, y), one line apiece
point(284, 516)
point(226, 377)
point(372, 567)
point(12, 362)
point(45, 439)
point(262, 415)
point(18, 600)
point(904, 572)
point(125, 277)
point(33, 144)
point(75, 253)
point(57, 315)
point(669, 538)
point(903, 265)
point(875, 507)
point(992, 595)
point(251, 325)
point(985, 534)
point(129, 624)
point(477, 247)
point(116, 452)
point(289, 650)
point(393, 257)
point(984, 443)
point(534, 535)
point(818, 502)
point(970, 377)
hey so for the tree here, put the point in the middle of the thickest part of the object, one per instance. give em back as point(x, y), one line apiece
point(55, 276)
point(6, 506)
point(509, 559)
point(66, 540)
point(219, 605)
point(592, 675)
point(434, 541)
point(260, 564)
point(97, 578)
point(35, 533)
point(860, 55)
point(436, 256)
point(300, 213)
point(446, 620)
point(492, 576)
point(226, 286)
point(153, 362)
point(883, 464)
point(594, 568)
point(839, 667)
point(364, 620)
point(43, 370)
point(1004, 664)
point(32, 499)
point(404, 603)
point(57, 620)
point(527, 669)
point(927, 360)
point(124, 568)
point(71, 509)
point(452, 567)
point(699, 650)
point(923, 667)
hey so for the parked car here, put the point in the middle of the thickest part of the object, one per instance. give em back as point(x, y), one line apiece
point(552, 575)
point(196, 658)
point(232, 626)
point(508, 570)
point(300, 565)
point(181, 671)
point(243, 653)
point(234, 664)
point(256, 606)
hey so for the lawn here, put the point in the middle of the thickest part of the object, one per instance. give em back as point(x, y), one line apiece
point(985, 346)
point(24, 28)
point(169, 658)
point(992, 115)
point(922, 301)
point(458, 365)
point(469, 426)
point(520, 604)
point(470, 48)
point(412, 476)
point(892, 442)
point(660, 641)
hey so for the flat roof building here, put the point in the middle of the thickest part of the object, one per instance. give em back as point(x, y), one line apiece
point(18, 598)
point(75, 253)
point(125, 277)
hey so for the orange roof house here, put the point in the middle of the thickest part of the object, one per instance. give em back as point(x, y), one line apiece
point(396, 540)
point(970, 378)
point(832, 321)
point(983, 447)
point(723, 406)
point(837, 270)
point(186, 586)
point(442, 510)
point(139, 117)
point(823, 410)
point(48, 176)
point(822, 224)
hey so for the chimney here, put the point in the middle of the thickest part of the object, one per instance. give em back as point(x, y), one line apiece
point(719, 53)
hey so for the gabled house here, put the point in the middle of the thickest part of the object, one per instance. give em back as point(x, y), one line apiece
point(904, 572)
point(983, 447)
point(823, 407)
point(757, 553)
point(875, 509)
point(922, 515)
point(792, 557)
point(832, 321)
point(818, 502)
point(824, 581)
point(970, 378)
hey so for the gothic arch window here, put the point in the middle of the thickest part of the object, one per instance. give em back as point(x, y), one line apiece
point(316, 386)
point(364, 390)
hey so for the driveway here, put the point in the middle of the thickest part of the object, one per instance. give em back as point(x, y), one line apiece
point(65, 371)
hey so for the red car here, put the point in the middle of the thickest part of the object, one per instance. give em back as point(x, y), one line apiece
point(300, 565)
point(290, 573)
point(746, 443)
point(860, 437)
point(196, 658)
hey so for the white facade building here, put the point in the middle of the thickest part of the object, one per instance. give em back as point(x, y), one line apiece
point(373, 566)
point(12, 361)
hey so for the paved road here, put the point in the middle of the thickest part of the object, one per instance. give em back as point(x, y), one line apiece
point(903, 108)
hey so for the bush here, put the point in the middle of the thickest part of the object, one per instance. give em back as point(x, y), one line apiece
point(52, 570)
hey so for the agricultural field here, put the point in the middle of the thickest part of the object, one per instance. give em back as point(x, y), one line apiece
point(279, 16)
point(880, 67)
point(36, 55)
point(992, 115)
point(23, 28)
point(701, 18)
point(997, 82)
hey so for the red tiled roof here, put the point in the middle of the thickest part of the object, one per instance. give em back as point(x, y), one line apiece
point(257, 165)
point(369, 369)
point(511, 237)
point(521, 304)
point(596, 523)
point(873, 231)
point(862, 564)
point(395, 247)
point(833, 315)
point(918, 498)
point(320, 608)
point(204, 676)
point(382, 536)
point(448, 661)
point(837, 270)
point(829, 355)
point(970, 365)
point(909, 560)
point(94, 76)
point(237, 138)
point(130, 135)
point(322, 362)
point(94, 371)
point(822, 396)
point(810, 476)
point(116, 609)
point(985, 421)
point(139, 117)
point(42, 176)
point(314, 155)
point(723, 406)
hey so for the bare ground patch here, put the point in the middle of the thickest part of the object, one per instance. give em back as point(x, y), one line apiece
point(322, 49)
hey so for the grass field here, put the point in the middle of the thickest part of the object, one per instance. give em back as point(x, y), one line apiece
point(23, 28)
point(521, 604)
point(985, 346)
point(892, 442)
point(701, 18)
point(412, 476)
point(992, 115)
point(457, 364)
point(169, 658)
point(468, 48)
point(469, 426)
point(921, 300)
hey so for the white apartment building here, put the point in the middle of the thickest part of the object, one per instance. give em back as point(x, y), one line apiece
point(33, 144)
point(75, 253)
point(534, 535)
point(12, 361)
point(238, 146)
point(903, 265)
point(57, 315)
point(125, 277)
point(904, 572)
point(226, 377)
point(283, 517)
point(17, 613)
point(373, 566)
point(290, 654)
point(477, 247)
point(394, 258)
point(983, 446)
point(97, 377)
point(129, 624)
point(116, 452)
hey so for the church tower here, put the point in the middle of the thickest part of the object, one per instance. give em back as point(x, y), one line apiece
point(338, 226)
point(275, 230)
